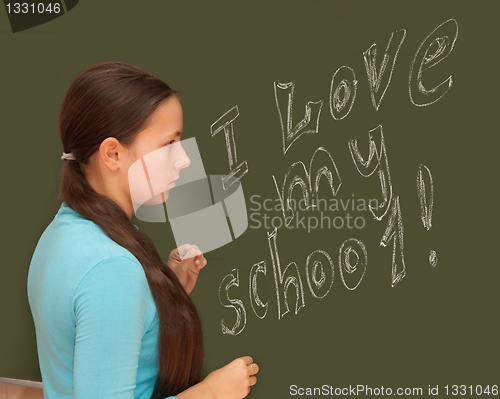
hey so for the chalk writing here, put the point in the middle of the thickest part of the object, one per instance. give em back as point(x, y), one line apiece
point(376, 161)
point(232, 280)
point(283, 278)
point(283, 95)
point(425, 191)
point(352, 273)
point(319, 278)
point(225, 123)
point(434, 49)
point(321, 164)
point(394, 232)
point(255, 300)
point(379, 82)
point(342, 92)
point(352, 255)
point(425, 195)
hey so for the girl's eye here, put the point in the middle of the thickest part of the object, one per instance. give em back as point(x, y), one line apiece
point(170, 143)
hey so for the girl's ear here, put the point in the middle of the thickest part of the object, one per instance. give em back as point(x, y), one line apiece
point(111, 152)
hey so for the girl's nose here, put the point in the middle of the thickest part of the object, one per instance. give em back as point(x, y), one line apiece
point(181, 160)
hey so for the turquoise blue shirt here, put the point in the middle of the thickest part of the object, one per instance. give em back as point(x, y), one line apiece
point(95, 319)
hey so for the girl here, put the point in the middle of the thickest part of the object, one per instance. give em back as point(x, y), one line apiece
point(113, 320)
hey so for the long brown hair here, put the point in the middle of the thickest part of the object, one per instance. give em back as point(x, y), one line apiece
point(115, 99)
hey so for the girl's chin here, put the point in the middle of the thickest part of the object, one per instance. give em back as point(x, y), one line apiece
point(157, 199)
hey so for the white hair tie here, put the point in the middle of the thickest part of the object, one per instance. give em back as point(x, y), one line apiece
point(68, 156)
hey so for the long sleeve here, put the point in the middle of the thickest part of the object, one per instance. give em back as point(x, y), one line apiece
point(110, 306)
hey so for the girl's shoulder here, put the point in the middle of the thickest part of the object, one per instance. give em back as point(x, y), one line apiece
point(71, 246)
point(84, 237)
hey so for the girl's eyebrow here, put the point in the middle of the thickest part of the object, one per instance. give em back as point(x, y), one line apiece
point(173, 135)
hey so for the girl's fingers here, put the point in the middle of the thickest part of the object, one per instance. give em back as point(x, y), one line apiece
point(190, 252)
point(175, 255)
point(183, 249)
point(196, 251)
point(254, 368)
point(247, 359)
point(200, 262)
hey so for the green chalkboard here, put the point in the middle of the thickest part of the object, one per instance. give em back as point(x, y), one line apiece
point(344, 104)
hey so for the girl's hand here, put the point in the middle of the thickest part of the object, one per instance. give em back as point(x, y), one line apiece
point(186, 262)
point(232, 381)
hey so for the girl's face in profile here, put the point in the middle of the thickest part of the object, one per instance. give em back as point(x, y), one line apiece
point(157, 155)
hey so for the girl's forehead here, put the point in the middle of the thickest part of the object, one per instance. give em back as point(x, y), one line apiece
point(165, 123)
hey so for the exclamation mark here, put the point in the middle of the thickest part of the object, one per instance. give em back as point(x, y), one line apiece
point(425, 189)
